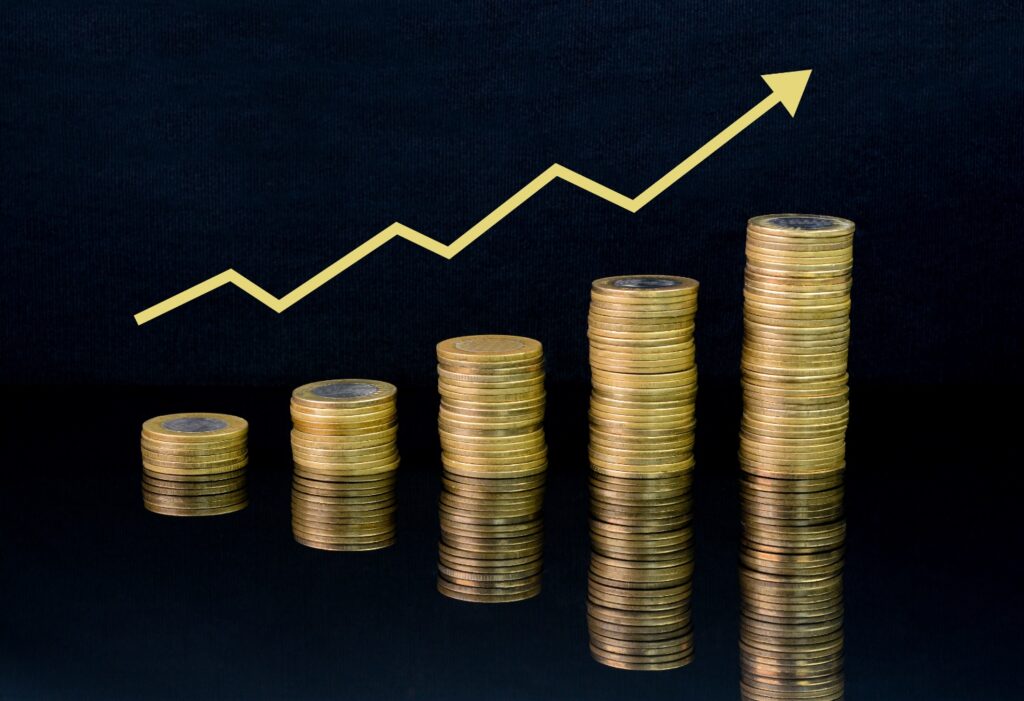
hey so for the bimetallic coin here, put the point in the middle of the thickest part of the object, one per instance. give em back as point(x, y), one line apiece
point(195, 427)
point(489, 349)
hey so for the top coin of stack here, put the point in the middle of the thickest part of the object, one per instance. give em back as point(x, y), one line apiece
point(792, 447)
point(194, 464)
point(343, 447)
point(642, 423)
point(494, 458)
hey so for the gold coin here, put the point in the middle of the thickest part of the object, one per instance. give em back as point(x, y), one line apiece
point(761, 249)
point(446, 421)
point(199, 450)
point(219, 472)
point(343, 534)
point(637, 333)
point(485, 369)
point(186, 459)
point(627, 662)
point(167, 510)
point(487, 348)
point(671, 385)
point(801, 226)
point(482, 459)
point(355, 496)
point(335, 466)
point(519, 584)
point(485, 596)
point(195, 428)
point(334, 429)
point(345, 393)
point(366, 439)
point(194, 500)
point(209, 487)
point(342, 524)
point(344, 546)
point(484, 381)
point(632, 350)
point(509, 386)
point(474, 406)
point(651, 313)
point(633, 599)
point(831, 283)
point(645, 286)
point(344, 413)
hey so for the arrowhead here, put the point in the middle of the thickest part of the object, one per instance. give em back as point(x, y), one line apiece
point(788, 87)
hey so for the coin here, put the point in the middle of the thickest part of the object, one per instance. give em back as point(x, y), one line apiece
point(193, 428)
point(490, 350)
point(187, 509)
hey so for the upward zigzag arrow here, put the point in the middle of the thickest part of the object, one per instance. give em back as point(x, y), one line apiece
point(787, 89)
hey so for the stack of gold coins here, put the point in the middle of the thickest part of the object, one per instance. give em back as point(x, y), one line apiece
point(642, 422)
point(792, 447)
point(343, 447)
point(494, 457)
point(194, 464)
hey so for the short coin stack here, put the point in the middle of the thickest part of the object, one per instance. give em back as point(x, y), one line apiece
point(642, 422)
point(343, 448)
point(194, 464)
point(792, 447)
point(495, 459)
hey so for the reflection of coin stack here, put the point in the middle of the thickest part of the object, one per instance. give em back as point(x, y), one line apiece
point(495, 459)
point(343, 447)
point(194, 464)
point(641, 454)
point(792, 446)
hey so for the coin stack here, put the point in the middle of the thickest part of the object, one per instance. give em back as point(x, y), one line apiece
point(343, 448)
point(495, 459)
point(642, 421)
point(194, 464)
point(792, 447)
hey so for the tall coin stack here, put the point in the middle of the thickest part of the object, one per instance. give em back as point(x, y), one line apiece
point(642, 421)
point(792, 447)
point(495, 459)
point(343, 448)
point(194, 464)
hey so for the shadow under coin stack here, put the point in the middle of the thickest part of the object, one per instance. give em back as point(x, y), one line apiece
point(343, 448)
point(642, 421)
point(194, 464)
point(792, 447)
point(494, 456)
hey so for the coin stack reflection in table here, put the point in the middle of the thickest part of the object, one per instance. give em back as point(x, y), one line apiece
point(346, 459)
point(494, 459)
point(792, 447)
point(194, 464)
point(642, 420)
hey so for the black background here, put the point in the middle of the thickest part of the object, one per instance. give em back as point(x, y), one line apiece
point(147, 146)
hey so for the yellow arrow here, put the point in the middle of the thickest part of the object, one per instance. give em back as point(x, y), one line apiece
point(787, 88)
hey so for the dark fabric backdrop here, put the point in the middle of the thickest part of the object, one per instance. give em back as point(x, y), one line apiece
point(145, 146)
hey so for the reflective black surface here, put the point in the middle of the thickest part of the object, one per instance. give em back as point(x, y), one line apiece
point(106, 601)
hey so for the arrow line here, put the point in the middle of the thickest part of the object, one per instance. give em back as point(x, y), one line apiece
point(787, 89)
